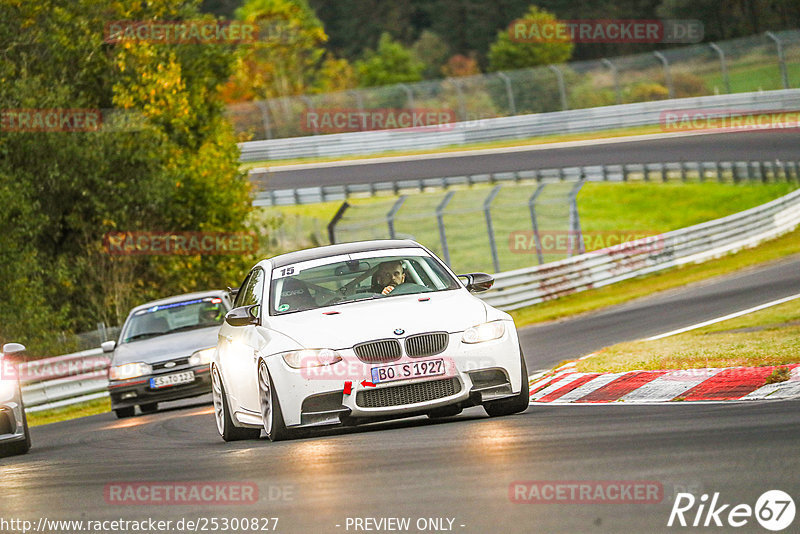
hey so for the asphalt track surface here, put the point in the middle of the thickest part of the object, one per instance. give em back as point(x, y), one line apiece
point(736, 146)
point(461, 468)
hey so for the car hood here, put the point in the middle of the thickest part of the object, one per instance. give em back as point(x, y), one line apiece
point(450, 311)
point(166, 347)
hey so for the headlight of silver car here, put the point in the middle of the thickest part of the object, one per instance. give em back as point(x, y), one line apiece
point(202, 357)
point(300, 359)
point(484, 332)
point(8, 380)
point(129, 370)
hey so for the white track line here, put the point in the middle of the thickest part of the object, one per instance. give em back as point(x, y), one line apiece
point(724, 318)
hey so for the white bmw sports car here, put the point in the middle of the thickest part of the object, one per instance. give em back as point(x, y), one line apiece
point(361, 332)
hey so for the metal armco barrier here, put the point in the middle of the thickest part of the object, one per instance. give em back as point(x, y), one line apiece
point(78, 377)
point(720, 171)
point(514, 127)
point(64, 380)
point(696, 244)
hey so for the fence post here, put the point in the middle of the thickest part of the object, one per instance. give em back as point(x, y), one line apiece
point(532, 208)
point(667, 74)
point(409, 94)
point(336, 218)
point(615, 73)
point(264, 107)
point(723, 66)
point(562, 90)
point(574, 220)
point(509, 92)
point(359, 98)
point(461, 105)
point(310, 107)
point(487, 211)
point(440, 221)
point(392, 212)
point(781, 59)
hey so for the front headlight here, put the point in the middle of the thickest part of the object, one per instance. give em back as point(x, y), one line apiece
point(202, 357)
point(300, 359)
point(129, 370)
point(484, 332)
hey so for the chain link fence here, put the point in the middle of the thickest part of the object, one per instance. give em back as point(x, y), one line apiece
point(760, 62)
point(514, 222)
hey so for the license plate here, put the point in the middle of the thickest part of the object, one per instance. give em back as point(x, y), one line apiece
point(403, 371)
point(172, 380)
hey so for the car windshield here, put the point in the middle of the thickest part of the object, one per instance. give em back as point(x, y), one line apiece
point(342, 279)
point(174, 317)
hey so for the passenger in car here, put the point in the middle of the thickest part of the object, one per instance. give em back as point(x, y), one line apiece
point(389, 275)
point(296, 296)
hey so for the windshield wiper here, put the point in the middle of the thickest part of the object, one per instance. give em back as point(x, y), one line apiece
point(192, 327)
point(144, 335)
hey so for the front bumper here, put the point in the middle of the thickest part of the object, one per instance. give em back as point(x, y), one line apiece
point(475, 373)
point(137, 391)
point(11, 422)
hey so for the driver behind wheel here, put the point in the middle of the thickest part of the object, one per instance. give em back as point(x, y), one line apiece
point(389, 275)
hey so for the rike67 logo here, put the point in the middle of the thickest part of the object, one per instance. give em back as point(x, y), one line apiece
point(774, 510)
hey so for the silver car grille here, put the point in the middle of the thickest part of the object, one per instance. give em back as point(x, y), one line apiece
point(381, 351)
point(408, 393)
point(178, 363)
point(427, 344)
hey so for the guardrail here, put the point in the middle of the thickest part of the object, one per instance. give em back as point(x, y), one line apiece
point(721, 171)
point(64, 380)
point(695, 244)
point(82, 376)
point(514, 127)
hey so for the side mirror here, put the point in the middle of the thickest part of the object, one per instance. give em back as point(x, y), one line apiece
point(243, 316)
point(108, 346)
point(13, 348)
point(477, 282)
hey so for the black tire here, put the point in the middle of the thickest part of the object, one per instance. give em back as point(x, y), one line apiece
point(122, 413)
point(447, 411)
point(271, 413)
point(149, 408)
point(515, 404)
point(222, 413)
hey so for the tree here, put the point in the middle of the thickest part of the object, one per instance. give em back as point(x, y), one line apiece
point(432, 51)
point(391, 63)
point(175, 168)
point(287, 57)
point(461, 65)
point(508, 52)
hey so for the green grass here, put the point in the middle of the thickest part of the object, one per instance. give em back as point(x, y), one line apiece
point(64, 413)
point(763, 77)
point(595, 299)
point(766, 337)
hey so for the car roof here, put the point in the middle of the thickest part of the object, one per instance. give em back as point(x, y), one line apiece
point(342, 248)
point(180, 298)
